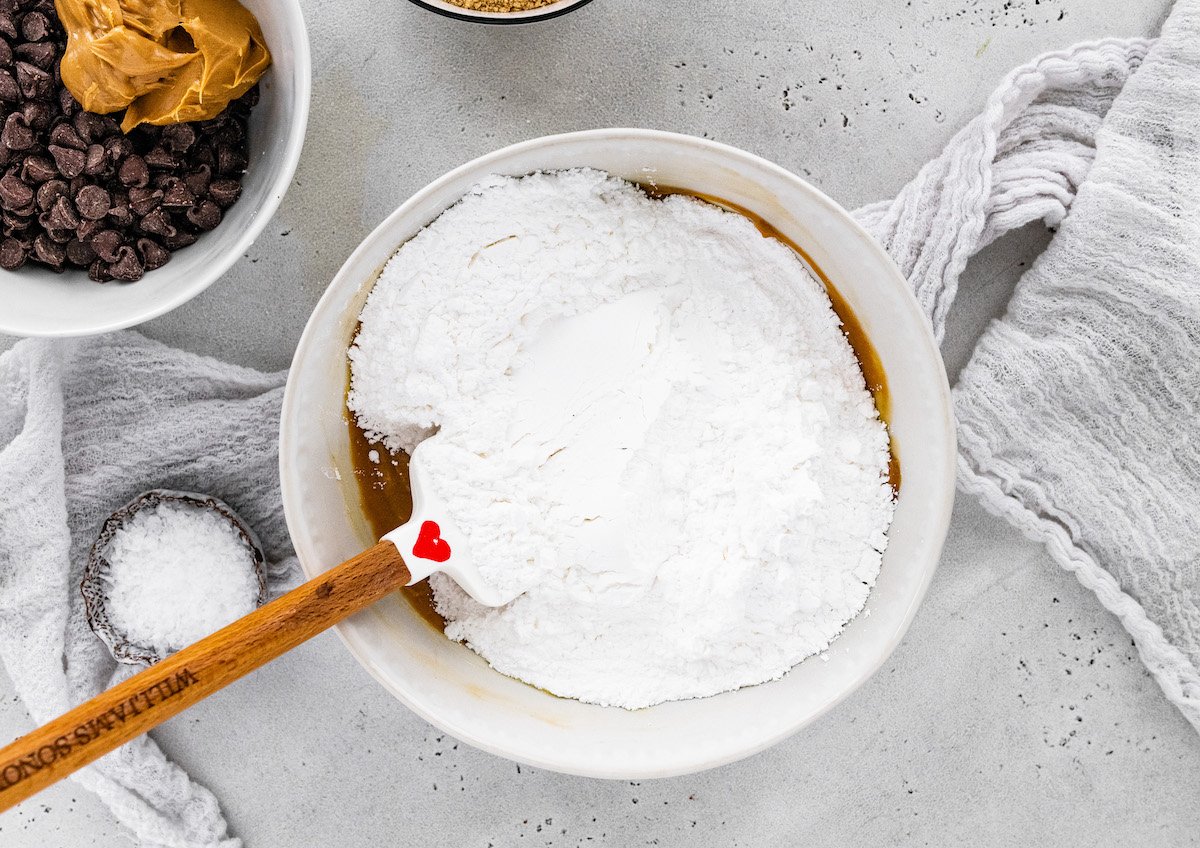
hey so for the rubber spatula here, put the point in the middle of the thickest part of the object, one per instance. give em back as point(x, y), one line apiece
point(429, 542)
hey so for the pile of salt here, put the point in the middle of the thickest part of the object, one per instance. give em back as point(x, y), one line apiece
point(176, 574)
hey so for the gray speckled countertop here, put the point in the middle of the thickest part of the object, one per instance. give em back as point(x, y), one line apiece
point(1015, 711)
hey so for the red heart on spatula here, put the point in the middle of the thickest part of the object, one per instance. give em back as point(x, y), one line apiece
point(430, 544)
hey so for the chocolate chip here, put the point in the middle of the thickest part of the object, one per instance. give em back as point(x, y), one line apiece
point(178, 137)
point(16, 134)
point(79, 253)
point(121, 215)
point(35, 26)
point(14, 194)
point(96, 160)
point(157, 222)
point(214, 126)
point(62, 216)
point(203, 155)
point(229, 161)
point(65, 135)
point(13, 222)
point(12, 254)
point(10, 92)
point(67, 102)
point(38, 114)
point(211, 125)
point(118, 148)
point(38, 169)
point(176, 195)
point(230, 135)
point(179, 240)
point(153, 254)
point(144, 200)
point(93, 202)
point(6, 54)
point(98, 271)
point(42, 55)
point(160, 158)
point(89, 125)
point(105, 243)
point(8, 26)
point(224, 192)
point(70, 162)
point(49, 252)
point(127, 267)
point(134, 172)
point(87, 229)
point(205, 215)
point(199, 180)
point(49, 192)
point(33, 81)
point(61, 236)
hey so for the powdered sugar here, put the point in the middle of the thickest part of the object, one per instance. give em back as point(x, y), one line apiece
point(177, 573)
point(644, 416)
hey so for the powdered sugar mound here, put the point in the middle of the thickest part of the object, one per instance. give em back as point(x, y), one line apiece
point(645, 416)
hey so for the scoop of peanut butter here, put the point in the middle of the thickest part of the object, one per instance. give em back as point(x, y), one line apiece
point(163, 61)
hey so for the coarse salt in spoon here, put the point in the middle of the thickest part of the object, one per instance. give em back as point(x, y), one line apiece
point(146, 603)
point(428, 542)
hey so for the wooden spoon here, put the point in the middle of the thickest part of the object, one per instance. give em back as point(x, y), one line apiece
point(129, 709)
point(428, 541)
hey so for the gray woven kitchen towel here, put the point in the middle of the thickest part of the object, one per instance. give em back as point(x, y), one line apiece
point(1079, 411)
point(85, 425)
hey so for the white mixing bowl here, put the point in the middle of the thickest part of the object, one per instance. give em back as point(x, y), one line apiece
point(35, 301)
point(454, 688)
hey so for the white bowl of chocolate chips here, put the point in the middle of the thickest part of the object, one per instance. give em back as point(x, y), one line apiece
point(104, 226)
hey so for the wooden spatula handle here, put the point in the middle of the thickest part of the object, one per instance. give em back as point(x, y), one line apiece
point(129, 709)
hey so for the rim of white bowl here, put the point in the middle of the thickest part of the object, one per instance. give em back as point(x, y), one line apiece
point(940, 511)
point(528, 16)
point(301, 98)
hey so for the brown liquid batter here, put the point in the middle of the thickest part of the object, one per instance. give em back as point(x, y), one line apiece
point(385, 494)
point(386, 499)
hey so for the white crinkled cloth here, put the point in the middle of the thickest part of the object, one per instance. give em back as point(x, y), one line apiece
point(1079, 413)
point(84, 427)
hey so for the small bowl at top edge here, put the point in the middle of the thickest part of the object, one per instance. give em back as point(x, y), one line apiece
point(461, 13)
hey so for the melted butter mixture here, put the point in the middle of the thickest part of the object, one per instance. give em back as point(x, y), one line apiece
point(163, 61)
point(384, 491)
point(386, 499)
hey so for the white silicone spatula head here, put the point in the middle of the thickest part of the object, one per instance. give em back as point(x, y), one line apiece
point(431, 542)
